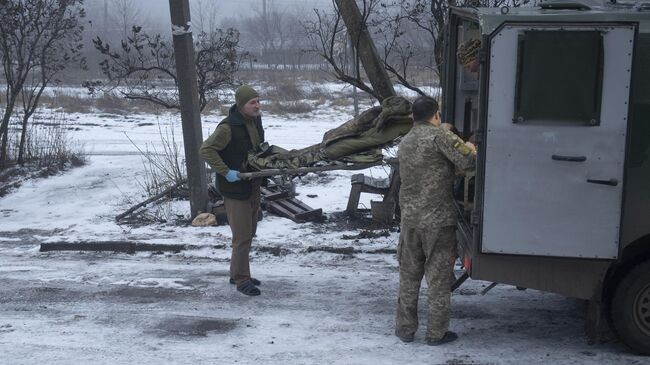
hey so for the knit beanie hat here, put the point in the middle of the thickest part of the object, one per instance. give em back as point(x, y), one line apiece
point(244, 94)
point(468, 51)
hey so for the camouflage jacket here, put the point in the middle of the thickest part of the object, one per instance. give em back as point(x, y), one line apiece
point(427, 155)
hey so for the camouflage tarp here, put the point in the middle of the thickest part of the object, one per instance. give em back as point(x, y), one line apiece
point(358, 140)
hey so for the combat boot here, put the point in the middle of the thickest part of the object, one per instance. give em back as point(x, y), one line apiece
point(248, 288)
point(404, 338)
point(448, 337)
point(255, 281)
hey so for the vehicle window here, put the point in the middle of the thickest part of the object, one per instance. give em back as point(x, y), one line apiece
point(642, 71)
point(559, 77)
point(640, 113)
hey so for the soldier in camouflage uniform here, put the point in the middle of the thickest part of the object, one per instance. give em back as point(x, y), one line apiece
point(428, 155)
point(467, 54)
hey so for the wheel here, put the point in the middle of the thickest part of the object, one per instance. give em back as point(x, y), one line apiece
point(630, 312)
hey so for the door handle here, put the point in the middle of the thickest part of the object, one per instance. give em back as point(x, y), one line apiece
point(569, 158)
point(610, 182)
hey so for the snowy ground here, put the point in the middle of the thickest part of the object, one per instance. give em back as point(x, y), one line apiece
point(315, 308)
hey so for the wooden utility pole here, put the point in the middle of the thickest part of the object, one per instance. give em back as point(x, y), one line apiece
point(365, 47)
point(189, 100)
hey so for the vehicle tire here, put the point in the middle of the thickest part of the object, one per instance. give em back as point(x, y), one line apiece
point(630, 311)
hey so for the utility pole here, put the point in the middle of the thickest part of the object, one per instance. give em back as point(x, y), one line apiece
point(189, 100)
point(365, 47)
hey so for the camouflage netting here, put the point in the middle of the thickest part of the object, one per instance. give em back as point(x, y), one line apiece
point(359, 140)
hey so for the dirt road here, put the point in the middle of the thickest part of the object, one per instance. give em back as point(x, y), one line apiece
point(315, 308)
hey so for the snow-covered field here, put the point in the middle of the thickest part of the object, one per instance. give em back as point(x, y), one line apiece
point(178, 308)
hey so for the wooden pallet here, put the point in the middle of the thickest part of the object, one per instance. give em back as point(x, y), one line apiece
point(279, 201)
point(273, 193)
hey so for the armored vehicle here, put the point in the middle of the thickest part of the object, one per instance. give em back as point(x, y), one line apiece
point(560, 112)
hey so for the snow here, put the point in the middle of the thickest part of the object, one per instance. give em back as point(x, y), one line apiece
point(315, 308)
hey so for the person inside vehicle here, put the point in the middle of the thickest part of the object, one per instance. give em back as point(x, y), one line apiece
point(467, 54)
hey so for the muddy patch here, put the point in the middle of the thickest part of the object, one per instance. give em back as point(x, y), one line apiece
point(338, 250)
point(470, 311)
point(39, 295)
point(25, 235)
point(144, 295)
point(6, 328)
point(183, 326)
point(273, 250)
point(366, 234)
point(362, 221)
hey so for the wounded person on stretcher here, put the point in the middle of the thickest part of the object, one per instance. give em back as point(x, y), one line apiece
point(358, 140)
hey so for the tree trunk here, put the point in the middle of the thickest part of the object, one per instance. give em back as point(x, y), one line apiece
point(21, 146)
point(4, 130)
point(3, 148)
point(28, 110)
point(365, 47)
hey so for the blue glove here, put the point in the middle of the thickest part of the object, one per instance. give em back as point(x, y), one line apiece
point(231, 176)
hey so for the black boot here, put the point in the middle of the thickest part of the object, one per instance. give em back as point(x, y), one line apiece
point(255, 281)
point(448, 337)
point(248, 288)
point(404, 338)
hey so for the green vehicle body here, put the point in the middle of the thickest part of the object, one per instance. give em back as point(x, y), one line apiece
point(577, 274)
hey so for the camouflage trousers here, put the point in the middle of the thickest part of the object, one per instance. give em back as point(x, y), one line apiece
point(429, 252)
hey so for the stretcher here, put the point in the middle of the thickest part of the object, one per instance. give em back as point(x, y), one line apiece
point(305, 170)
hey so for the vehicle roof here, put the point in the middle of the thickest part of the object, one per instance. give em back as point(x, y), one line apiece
point(491, 18)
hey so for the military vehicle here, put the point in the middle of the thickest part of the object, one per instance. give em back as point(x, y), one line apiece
point(560, 111)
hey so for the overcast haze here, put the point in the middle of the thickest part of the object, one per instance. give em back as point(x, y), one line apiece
point(156, 12)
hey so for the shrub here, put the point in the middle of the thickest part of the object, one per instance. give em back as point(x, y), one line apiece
point(48, 150)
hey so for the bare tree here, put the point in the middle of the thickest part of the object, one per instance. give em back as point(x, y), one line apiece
point(430, 17)
point(38, 39)
point(204, 15)
point(275, 32)
point(356, 21)
point(143, 64)
point(329, 39)
point(125, 14)
point(400, 27)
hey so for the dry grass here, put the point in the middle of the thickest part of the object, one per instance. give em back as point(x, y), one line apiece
point(285, 91)
point(274, 76)
point(288, 107)
point(48, 150)
point(49, 144)
point(284, 94)
point(162, 167)
point(104, 103)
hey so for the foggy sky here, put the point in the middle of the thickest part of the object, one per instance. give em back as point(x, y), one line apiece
point(155, 13)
